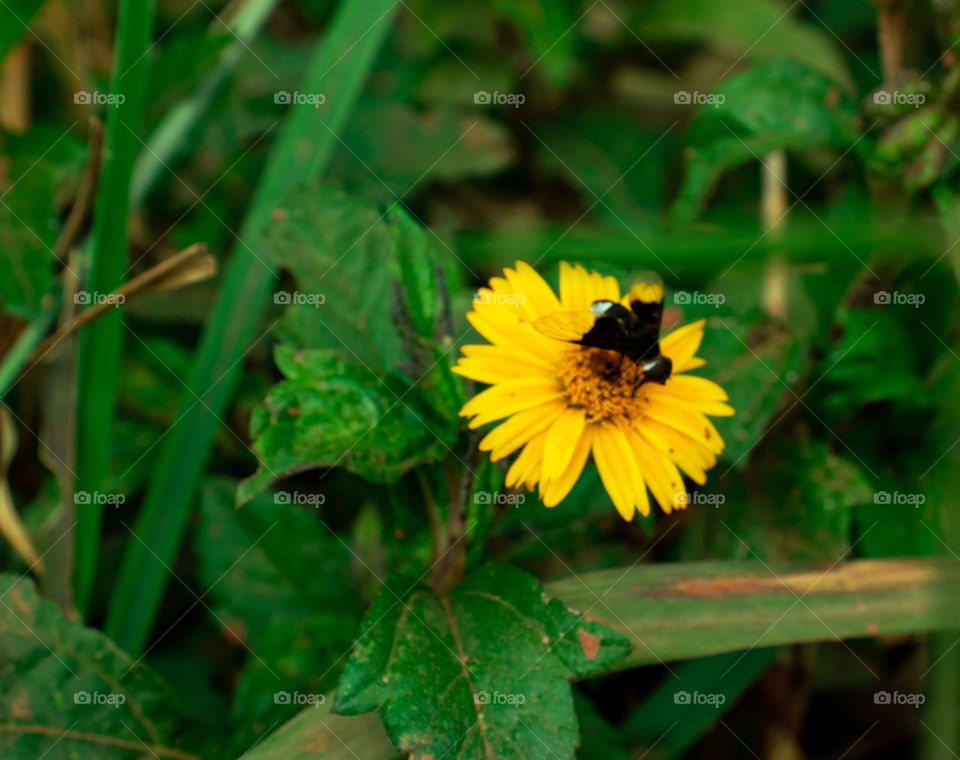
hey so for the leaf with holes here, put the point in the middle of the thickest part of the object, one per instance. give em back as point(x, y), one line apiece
point(334, 413)
point(481, 673)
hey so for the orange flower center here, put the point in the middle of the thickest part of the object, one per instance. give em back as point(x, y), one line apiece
point(602, 382)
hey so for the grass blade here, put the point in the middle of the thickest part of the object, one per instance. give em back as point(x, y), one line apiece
point(98, 355)
point(171, 135)
point(338, 70)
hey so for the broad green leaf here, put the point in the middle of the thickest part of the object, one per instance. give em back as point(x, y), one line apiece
point(341, 257)
point(858, 368)
point(295, 610)
point(757, 362)
point(605, 154)
point(256, 582)
point(777, 104)
point(482, 673)
point(334, 413)
point(441, 143)
point(68, 692)
point(799, 506)
point(754, 29)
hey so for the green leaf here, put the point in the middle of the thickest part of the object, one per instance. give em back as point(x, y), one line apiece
point(482, 673)
point(777, 104)
point(612, 156)
point(756, 361)
point(67, 691)
point(282, 604)
point(754, 29)
point(340, 252)
point(333, 413)
point(244, 557)
point(799, 506)
point(675, 611)
point(440, 143)
point(28, 216)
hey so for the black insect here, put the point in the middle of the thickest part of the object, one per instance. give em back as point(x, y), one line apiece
point(632, 332)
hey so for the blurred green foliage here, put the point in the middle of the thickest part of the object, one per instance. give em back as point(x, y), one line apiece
point(625, 136)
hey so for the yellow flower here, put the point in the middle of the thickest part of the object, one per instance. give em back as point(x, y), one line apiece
point(563, 402)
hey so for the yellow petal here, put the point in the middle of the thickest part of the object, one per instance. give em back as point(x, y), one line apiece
point(526, 468)
point(619, 471)
point(535, 298)
point(510, 397)
point(556, 489)
point(659, 470)
point(695, 388)
point(580, 288)
point(506, 438)
point(685, 418)
point(494, 364)
point(681, 344)
point(561, 441)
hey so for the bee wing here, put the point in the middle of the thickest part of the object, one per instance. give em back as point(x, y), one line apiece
point(570, 326)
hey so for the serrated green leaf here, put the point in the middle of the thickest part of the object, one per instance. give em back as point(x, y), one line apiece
point(418, 271)
point(479, 674)
point(68, 691)
point(333, 413)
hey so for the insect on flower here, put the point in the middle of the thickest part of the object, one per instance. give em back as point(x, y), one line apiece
point(585, 374)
